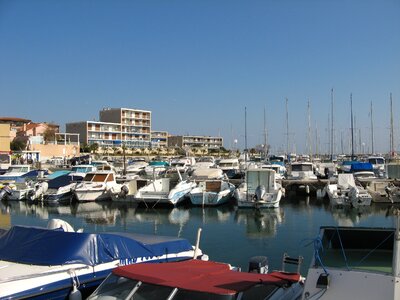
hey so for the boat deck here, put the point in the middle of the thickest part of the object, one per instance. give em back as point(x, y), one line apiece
point(359, 259)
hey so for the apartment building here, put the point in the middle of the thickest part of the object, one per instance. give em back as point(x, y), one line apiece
point(159, 139)
point(117, 126)
point(183, 141)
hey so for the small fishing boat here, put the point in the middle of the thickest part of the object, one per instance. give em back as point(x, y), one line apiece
point(379, 190)
point(57, 263)
point(95, 186)
point(212, 189)
point(197, 279)
point(171, 189)
point(259, 190)
point(347, 192)
point(354, 263)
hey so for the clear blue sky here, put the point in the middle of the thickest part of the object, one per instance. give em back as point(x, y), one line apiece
point(197, 64)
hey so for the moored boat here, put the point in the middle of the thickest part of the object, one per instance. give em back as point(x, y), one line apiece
point(259, 190)
point(211, 187)
point(95, 186)
point(171, 189)
point(52, 263)
point(197, 279)
point(354, 263)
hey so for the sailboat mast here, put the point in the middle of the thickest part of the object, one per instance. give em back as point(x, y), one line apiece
point(391, 127)
point(287, 128)
point(245, 134)
point(265, 136)
point(332, 136)
point(352, 129)
point(372, 132)
point(309, 127)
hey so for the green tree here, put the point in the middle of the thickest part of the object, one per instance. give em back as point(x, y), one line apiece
point(94, 147)
point(49, 135)
point(85, 148)
point(17, 145)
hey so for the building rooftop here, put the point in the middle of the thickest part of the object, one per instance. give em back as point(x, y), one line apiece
point(14, 119)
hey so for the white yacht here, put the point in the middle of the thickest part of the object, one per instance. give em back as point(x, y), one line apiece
point(259, 190)
point(301, 170)
point(347, 192)
point(230, 166)
point(170, 189)
point(95, 186)
point(212, 187)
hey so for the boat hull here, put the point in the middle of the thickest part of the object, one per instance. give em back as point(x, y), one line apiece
point(271, 200)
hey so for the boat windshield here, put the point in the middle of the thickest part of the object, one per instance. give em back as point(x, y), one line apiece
point(376, 161)
point(365, 249)
point(98, 177)
point(17, 169)
point(228, 164)
point(81, 169)
point(116, 287)
point(301, 167)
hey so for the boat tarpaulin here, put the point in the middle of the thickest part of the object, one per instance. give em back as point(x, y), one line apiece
point(361, 166)
point(40, 246)
point(202, 276)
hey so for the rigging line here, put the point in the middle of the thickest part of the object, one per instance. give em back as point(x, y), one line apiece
point(342, 248)
point(370, 252)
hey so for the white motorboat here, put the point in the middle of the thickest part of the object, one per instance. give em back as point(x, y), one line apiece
point(378, 165)
point(61, 188)
point(379, 190)
point(16, 172)
point(56, 263)
point(354, 263)
point(280, 171)
point(230, 166)
point(171, 189)
point(259, 190)
point(204, 162)
point(347, 192)
point(95, 186)
point(338, 193)
point(155, 168)
point(211, 188)
point(301, 170)
point(135, 167)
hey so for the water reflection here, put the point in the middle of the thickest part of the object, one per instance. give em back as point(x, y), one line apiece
point(269, 232)
point(210, 214)
point(260, 223)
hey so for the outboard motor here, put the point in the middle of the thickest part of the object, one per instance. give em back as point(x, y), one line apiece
point(5, 191)
point(258, 264)
point(124, 191)
point(260, 192)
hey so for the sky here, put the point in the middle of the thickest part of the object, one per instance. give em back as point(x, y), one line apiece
point(210, 67)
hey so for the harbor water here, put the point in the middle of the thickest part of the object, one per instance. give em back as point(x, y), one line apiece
point(228, 234)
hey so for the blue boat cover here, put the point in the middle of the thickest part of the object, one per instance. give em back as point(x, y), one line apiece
point(58, 173)
point(40, 246)
point(159, 163)
point(361, 166)
point(63, 180)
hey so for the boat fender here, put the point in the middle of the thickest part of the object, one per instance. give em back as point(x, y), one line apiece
point(75, 293)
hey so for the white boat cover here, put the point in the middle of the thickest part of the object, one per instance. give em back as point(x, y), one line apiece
point(346, 181)
point(257, 177)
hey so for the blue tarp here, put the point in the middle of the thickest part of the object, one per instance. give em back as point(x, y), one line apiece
point(39, 246)
point(58, 173)
point(361, 166)
point(63, 181)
